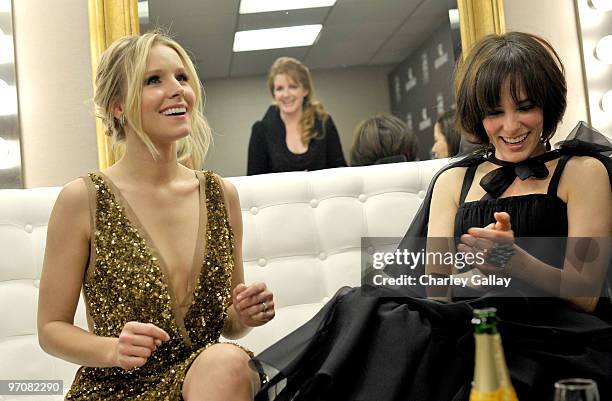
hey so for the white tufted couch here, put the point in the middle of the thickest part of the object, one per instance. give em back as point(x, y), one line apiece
point(302, 234)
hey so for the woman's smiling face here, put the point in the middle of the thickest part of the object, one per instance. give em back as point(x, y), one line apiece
point(288, 94)
point(167, 96)
point(514, 129)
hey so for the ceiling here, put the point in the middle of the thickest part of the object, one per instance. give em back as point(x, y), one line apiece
point(355, 32)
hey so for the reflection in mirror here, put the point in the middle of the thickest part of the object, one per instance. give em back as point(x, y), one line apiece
point(10, 148)
point(364, 51)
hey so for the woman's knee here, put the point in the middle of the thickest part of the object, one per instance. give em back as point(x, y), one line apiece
point(225, 362)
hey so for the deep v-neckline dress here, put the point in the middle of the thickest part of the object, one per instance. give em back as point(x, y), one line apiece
point(127, 280)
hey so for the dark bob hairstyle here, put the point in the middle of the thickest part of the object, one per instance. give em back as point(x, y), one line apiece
point(530, 65)
point(383, 138)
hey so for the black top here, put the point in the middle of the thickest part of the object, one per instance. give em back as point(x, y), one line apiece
point(268, 152)
point(533, 215)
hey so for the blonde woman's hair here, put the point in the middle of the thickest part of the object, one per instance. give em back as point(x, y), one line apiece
point(311, 108)
point(120, 79)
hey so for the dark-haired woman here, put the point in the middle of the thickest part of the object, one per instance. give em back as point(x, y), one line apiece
point(383, 139)
point(447, 139)
point(504, 203)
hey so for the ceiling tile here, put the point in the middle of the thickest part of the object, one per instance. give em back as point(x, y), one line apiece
point(259, 62)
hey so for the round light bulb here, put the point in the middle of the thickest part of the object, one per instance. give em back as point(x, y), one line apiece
point(601, 5)
point(603, 49)
point(606, 102)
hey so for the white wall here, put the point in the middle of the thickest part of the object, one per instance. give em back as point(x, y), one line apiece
point(555, 21)
point(55, 90)
point(233, 105)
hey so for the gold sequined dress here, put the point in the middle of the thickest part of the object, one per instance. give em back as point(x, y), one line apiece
point(127, 280)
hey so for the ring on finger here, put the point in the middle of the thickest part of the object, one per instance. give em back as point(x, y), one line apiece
point(264, 307)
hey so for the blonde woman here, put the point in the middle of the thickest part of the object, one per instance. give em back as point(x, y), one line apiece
point(160, 287)
point(296, 133)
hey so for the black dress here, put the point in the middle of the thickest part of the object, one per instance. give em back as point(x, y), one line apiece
point(390, 347)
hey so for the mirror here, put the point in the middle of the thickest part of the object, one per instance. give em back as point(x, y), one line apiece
point(392, 56)
point(10, 148)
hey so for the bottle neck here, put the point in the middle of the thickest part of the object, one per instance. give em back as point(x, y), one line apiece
point(485, 376)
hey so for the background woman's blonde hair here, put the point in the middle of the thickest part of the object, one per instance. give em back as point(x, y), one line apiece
point(311, 109)
point(119, 80)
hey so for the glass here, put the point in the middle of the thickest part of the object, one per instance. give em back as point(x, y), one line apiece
point(576, 390)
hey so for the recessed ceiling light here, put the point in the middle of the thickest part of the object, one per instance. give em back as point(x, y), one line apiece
point(276, 38)
point(262, 6)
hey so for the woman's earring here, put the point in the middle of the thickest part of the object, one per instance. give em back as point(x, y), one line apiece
point(546, 143)
point(122, 120)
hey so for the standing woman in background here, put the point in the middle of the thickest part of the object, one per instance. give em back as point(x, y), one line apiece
point(296, 133)
point(160, 286)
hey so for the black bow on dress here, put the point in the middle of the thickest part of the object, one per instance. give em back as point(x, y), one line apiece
point(497, 181)
point(583, 140)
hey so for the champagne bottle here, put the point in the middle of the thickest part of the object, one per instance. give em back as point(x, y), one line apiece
point(491, 377)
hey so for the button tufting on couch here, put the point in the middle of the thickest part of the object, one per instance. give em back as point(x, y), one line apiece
point(302, 234)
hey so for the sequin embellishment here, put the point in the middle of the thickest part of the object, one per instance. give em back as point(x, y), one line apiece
point(127, 284)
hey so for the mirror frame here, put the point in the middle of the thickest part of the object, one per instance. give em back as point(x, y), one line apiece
point(112, 19)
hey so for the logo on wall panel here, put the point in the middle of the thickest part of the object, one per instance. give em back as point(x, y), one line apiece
point(409, 123)
point(440, 103)
point(425, 67)
point(425, 121)
point(398, 90)
point(410, 80)
point(442, 57)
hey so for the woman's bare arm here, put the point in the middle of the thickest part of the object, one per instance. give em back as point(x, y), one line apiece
point(589, 213)
point(441, 225)
point(246, 310)
point(233, 328)
point(66, 256)
point(586, 186)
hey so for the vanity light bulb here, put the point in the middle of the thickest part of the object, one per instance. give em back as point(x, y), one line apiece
point(603, 49)
point(6, 48)
point(601, 5)
point(8, 99)
point(606, 102)
point(5, 6)
point(4, 149)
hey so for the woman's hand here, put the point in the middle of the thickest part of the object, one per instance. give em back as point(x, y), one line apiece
point(495, 241)
point(254, 304)
point(136, 343)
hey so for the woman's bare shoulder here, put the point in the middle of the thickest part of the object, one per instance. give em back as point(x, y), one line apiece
point(74, 194)
point(583, 172)
point(72, 206)
point(450, 179)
